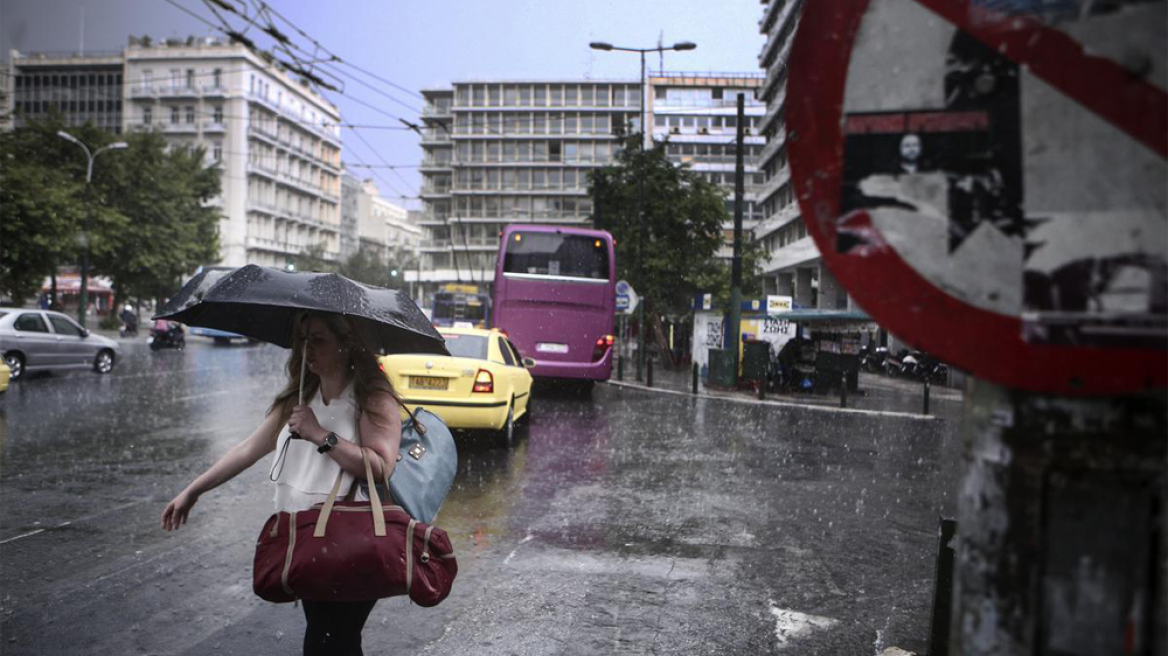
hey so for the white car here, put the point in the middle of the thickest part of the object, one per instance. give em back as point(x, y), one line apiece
point(42, 340)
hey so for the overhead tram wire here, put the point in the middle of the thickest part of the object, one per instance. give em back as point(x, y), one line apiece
point(465, 244)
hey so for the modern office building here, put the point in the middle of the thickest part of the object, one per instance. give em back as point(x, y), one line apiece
point(696, 115)
point(81, 88)
point(499, 152)
point(794, 266)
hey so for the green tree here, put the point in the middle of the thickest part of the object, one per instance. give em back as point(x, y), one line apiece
point(683, 218)
point(146, 213)
point(312, 260)
point(41, 205)
point(167, 226)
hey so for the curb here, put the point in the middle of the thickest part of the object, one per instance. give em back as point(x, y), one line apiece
point(781, 404)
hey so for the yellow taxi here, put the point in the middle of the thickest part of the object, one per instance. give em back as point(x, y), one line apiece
point(483, 384)
point(5, 375)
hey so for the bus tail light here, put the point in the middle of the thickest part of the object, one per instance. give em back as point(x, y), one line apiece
point(602, 345)
point(484, 382)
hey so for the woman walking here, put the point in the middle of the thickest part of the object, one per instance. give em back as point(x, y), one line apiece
point(351, 405)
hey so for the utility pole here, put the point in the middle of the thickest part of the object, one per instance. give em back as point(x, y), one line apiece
point(736, 264)
point(83, 238)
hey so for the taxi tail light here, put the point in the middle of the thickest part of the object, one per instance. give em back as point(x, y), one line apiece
point(602, 345)
point(484, 382)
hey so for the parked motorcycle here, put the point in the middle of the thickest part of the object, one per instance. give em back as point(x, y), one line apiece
point(167, 334)
point(873, 359)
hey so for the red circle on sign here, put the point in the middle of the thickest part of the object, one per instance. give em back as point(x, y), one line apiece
point(987, 344)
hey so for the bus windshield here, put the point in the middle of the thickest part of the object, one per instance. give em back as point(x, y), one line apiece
point(553, 254)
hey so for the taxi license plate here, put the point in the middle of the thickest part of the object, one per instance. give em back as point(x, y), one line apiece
point(546, 347)
point(428, 383)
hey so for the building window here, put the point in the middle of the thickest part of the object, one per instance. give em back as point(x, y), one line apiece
point(175, 78)
point(218, 115)
point(540, 96)
point(716, 94)
point(217, 153)
point(190, 114)
point(190, 78)
point(218, 78)
point(147, 115)
point(174, 115)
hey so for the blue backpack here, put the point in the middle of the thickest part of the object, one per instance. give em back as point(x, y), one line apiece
point(426, 464)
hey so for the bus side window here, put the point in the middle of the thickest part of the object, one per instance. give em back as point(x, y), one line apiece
point(506, 353)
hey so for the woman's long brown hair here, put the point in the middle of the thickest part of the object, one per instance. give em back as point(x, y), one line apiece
point(368, 378)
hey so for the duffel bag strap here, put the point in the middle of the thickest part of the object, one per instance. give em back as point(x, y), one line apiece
point(374, 498)
point(327, 509)
point(374, 503)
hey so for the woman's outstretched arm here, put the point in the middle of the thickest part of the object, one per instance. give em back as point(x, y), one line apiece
point(246, 453)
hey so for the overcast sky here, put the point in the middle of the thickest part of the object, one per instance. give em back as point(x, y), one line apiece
point(425, 44)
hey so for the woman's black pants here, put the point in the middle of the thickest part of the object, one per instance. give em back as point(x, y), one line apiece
point(334, 627)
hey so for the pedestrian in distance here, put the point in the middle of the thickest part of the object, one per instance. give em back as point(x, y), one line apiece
point(349, 405)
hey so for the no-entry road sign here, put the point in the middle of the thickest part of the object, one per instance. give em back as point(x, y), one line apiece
point(987, 179)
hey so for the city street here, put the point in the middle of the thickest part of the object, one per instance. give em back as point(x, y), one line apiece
point(632, 522)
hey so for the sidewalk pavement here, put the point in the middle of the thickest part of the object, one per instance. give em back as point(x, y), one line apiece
point(877, 393)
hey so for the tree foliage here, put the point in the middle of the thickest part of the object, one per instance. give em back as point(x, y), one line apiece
point(146, 213)
point(683, 218)
point(362, 266)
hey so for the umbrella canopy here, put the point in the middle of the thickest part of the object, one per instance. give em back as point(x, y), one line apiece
point(262, 302)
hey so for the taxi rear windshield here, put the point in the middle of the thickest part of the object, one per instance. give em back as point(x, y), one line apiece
point(466, 346)
point(551, 254)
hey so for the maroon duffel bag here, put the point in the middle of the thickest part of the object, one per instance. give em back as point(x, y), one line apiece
point(352, 551)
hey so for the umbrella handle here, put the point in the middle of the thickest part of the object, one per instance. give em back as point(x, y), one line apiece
point(303, 365)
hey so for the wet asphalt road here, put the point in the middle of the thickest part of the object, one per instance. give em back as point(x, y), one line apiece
point(628, 523)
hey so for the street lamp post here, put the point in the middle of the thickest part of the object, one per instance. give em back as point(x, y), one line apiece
point(608, 47)
point(83, 239)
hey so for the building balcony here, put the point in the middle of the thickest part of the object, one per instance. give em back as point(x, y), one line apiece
point(770, 187)
point(435, 135)
point(214, 126)
point(254, 168)
point(800, 252)
point(774, 109)
point(143, 92)
point(772, 148)
point(180, 128)
point(437, 111)
point(775, 70)
point(214, 91)
point(436, 165)
point(777, 221)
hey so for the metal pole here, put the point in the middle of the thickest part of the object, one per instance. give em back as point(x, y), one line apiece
point(736, 265)
point(620, 367)
point(649, 372)
point(641, 229)
point(84, 297)
point(695, 378)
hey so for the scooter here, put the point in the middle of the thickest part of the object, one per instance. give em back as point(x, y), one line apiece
point(172, 337)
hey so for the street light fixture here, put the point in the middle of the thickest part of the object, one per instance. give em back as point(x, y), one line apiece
point(83, 238)
point(608, 47)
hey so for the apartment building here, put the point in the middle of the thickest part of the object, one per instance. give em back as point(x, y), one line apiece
point(276, 140)
point(696, 116)
point(499, 152)
point(794, 266)
point(80, 88)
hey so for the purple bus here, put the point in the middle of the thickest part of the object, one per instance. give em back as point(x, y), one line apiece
point(555, 297)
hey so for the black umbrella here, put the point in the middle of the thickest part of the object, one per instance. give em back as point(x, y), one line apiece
point(262, 302)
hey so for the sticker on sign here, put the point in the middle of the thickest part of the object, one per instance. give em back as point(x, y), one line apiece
point(988, 182)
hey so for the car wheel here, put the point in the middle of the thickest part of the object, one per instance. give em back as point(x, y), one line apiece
point(15, 363)
point(104, 362)
point(507, 432)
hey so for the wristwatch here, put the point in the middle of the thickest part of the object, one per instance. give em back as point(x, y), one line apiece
point(330, 441)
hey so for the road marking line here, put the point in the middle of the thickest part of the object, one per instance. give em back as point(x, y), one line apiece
point(73, 521)
point(512, 554)
point(782, 404)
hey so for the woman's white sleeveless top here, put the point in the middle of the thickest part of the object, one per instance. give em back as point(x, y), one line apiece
point(307, 476)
